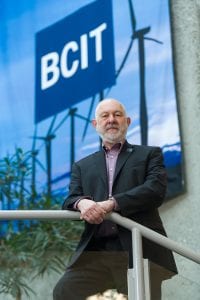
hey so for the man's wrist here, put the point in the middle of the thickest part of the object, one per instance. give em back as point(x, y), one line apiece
point(111, 203)
point(115, 205)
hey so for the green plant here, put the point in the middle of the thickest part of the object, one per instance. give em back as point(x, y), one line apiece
point(44, 247)
point(37, 247)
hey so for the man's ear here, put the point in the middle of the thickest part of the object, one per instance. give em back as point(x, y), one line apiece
point(94, 123)
point(128, 121)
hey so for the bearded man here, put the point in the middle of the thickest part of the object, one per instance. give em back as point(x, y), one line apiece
point(130, 180)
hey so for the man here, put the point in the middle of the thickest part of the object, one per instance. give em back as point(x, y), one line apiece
point(125, 178)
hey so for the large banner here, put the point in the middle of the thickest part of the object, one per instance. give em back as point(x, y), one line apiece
point(58, 59)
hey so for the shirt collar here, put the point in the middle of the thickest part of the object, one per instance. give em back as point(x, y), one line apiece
point(117, 147)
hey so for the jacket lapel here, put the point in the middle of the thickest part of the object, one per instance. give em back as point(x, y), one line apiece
point(100, 165)
point(126, 151)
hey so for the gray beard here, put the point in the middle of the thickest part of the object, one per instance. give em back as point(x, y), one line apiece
point(112, 138)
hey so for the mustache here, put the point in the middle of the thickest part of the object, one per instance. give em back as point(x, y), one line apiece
point(112, 126)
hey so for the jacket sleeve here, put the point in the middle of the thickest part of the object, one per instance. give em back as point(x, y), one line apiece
point(75, 189)
point(150, 193)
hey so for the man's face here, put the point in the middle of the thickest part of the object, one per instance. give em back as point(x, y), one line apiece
point(111, 122)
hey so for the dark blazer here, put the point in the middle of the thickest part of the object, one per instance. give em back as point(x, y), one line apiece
point(139, 188)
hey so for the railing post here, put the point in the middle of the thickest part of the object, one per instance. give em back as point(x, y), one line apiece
point(138, 264)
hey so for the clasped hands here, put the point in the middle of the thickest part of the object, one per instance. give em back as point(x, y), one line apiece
point(94, 212)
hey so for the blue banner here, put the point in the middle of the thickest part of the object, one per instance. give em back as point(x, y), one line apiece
point(74, 59)
point(56, 58)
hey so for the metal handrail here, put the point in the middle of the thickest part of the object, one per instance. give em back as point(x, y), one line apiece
point(115, 217)
point(156, 237)
point(138, 231)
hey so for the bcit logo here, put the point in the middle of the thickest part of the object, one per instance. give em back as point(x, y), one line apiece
point(53, 66)
point(74, 59)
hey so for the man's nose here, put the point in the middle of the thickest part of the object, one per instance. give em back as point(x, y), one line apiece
point(111, 118)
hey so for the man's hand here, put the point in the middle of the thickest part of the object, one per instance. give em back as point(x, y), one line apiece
point(107, 205)
point(91, 211)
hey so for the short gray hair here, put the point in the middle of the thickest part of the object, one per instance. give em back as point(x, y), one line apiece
point(106, 100)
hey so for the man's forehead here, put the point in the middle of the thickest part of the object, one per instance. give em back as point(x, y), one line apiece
point(110, 107)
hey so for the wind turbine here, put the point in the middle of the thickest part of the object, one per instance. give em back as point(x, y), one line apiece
point(140, 36)
point(47, 142)
point(72, 113)
point(34, 161)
